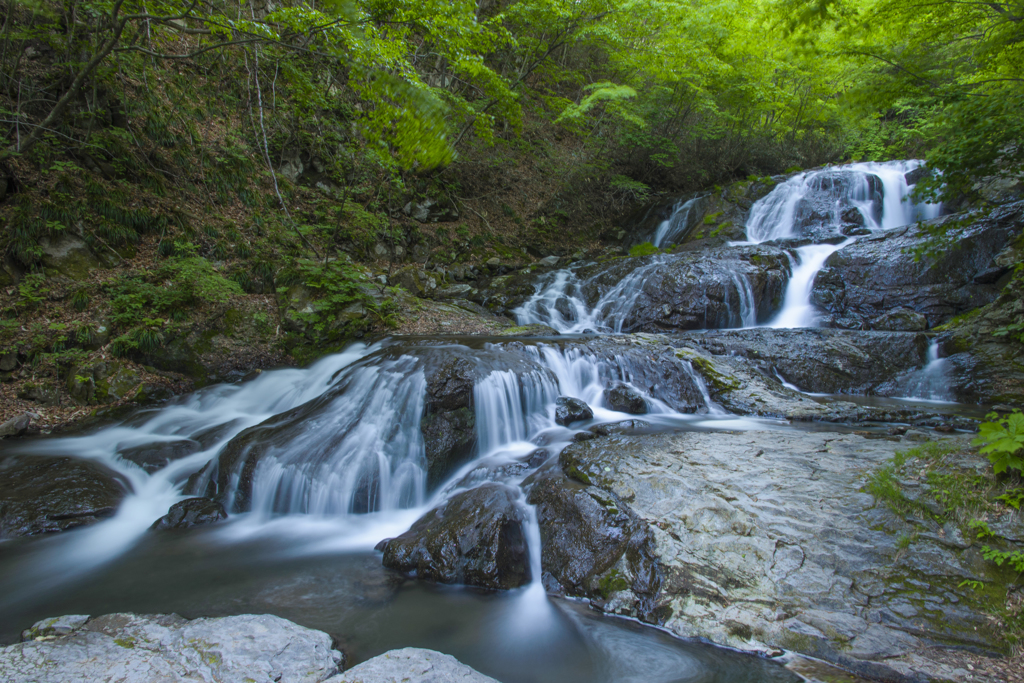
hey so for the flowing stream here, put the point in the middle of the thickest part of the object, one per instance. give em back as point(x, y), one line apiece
point(342, 465)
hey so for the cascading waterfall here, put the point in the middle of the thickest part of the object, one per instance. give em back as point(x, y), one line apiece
point(747, 312)
point(557, 302)
point(930, 383)
point(675, 225)
point(878, 192)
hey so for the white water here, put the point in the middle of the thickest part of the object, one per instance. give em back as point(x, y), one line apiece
point(747, 304)
point(557, 302)
point(930, 383)
point(797, 309)
point(675, 225)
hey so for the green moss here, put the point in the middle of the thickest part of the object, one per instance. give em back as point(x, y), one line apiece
point(612, 582)
point(126, 642)
point(712, 376)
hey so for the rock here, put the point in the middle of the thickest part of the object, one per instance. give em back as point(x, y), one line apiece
point(625, 399)
point(548, 261)
point(594, 546)
point(877, 274)
point(134, 648)
point(493, 263)
point(16, 426)
point(44, 393)
point(475, 538)
point(753, 558)
point(68, 255)
point(191, 512)
point(833, 198)
point(449, 420)
point(430, 211)
point(917, 175)
point(569, 410)
point(455, 292)
point(8, 361)
point(412, 665)
point(820, 360)
point(416, 281)
point(900, 320)
point(42, 494)
point(694, 289)
point(156, 456)
point(535, 330)
point(102, 382)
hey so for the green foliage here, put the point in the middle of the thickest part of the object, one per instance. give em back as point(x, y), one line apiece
point(644, 249)
point(1013, 558)
point(80, 300)
point(1001, 439)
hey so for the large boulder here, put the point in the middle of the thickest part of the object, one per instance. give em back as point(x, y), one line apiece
point(412, 664)
point(569, 410)
point(594, 545)
point(135, 648)
point(867, 281)
point(102, 382)
point(625, 399)
point(820, 360)
point(43, 494)
point(768, 540)
point(475, 538)
point(156, 456)
point(68, 255)
point(449, 420)
point(720, 287)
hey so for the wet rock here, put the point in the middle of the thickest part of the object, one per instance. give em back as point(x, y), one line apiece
point(821, 360)
point(535, 330)
point(595, 546)
point(917, 175)
point(134, 648)
point(449, 421)
point(41, 494)
point(695, 289)
point(17, 425)
point(475, 538)
point(155, 456)
point(878, 274)
point(738, 523)
point(900, 320)
point(412, 664)
point(834, 198)
point(191, 512)
point(625, 399)
point(569, 410)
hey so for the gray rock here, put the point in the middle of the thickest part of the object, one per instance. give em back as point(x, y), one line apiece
point(625, 399)
point(820, 360)
point(191, 512)
point(455, 292)
point(16, 426)
point(535, 330)
point(412, 665)
point(595, 546)
point(134, 648)
point(900, 320)
point(41, 494)
point(474, 538)
point(44, 393)
point(767, 540)
point(548, 261)
point(68, 255)
point(8, 361)
point(877, 274)
point(569, 410)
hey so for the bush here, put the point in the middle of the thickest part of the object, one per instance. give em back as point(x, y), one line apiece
point(1001, 440)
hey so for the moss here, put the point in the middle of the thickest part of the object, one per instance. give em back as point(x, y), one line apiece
point(126, 642)
point(612, 582)
point(574, 472)
point(720, 381)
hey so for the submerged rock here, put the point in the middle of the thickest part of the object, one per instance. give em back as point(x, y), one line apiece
point(412, 664)
point(134, 648)
point(189, 513)
point(768, 540)
point(595, 546)
point(42, 494)
point(475, 538)
point(569, 410)
point(156, 456)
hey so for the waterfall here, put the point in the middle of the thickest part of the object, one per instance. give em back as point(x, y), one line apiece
point(930, 383)
point(747, 304)
point(675, 225)
point(878, 192)
point(557, 302)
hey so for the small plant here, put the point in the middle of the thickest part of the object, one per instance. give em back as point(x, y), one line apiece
point(1014, 558)
point(981, 526)
point(80, 300)
point(970, 583)
point(645, 249)
point(1001, 440)
point(1012, 498)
